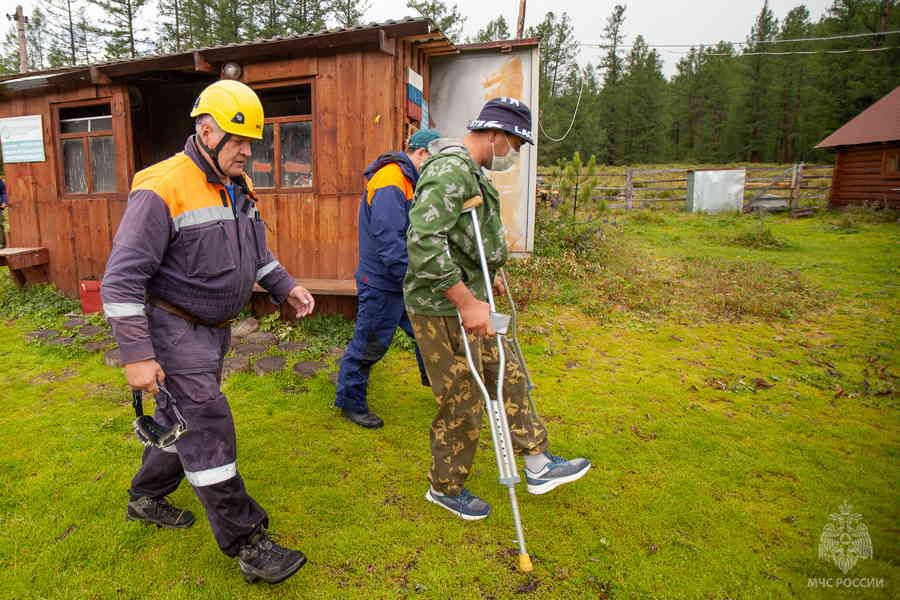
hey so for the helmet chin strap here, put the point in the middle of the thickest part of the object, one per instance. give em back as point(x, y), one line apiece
point(214, 152)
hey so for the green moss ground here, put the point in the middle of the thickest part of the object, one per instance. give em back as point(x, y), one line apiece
point(720, 446)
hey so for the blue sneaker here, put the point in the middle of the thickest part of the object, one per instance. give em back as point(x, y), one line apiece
point(555, 473)
point(466, 506)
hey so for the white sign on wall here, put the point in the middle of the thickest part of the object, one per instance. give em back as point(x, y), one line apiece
point(22, 139)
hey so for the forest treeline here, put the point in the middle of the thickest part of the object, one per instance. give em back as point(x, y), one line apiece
point(768, 98)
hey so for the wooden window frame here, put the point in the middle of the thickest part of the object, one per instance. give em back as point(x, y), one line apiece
point(886, 170)
point(88, 168)
point(276, 136)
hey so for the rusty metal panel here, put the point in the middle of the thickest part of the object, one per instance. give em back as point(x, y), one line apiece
point(460, 85)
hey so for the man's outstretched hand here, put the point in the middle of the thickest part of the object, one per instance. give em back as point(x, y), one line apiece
point(301, 301)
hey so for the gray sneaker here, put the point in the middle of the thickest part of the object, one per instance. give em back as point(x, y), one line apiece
point(159, 512)
point(465, 506)
point(555, 473)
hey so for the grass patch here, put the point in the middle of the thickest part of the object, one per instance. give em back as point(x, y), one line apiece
point(40, 303)
point(321, 332)
point(760, 237)
point(721, 440)
point(600, 266)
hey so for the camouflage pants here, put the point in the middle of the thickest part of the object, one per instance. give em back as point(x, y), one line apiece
point(457, 426)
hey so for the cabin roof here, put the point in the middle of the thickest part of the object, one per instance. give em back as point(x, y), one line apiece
point(878, 123)
point(418, 28)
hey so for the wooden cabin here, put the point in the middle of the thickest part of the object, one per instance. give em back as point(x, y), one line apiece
point(867, 165)
point(73, 138)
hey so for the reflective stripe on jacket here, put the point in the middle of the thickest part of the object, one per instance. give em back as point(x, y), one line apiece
point(191, 241)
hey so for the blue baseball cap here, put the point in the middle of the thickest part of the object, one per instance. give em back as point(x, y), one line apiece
point(507, 114)
point(422, 138)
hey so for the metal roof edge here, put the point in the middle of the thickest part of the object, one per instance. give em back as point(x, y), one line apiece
point(188, 53)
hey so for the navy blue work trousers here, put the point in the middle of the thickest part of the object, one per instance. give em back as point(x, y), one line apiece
point(191, 357)
point(378, 315)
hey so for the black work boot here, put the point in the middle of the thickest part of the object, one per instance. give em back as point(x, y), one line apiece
point(261, 558)
point(367, 419)
point(159, 512)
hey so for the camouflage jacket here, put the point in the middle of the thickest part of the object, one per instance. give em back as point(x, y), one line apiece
point(441, 239)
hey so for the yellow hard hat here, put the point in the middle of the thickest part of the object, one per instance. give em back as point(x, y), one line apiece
point(234, 106)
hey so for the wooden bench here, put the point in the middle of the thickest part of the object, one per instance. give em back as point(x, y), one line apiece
point(26, 265)
point(322, 287)
point(327, 290)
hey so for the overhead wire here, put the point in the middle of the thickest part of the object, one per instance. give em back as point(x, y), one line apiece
point(571, 124)
point(754, 42)
point(701, 46)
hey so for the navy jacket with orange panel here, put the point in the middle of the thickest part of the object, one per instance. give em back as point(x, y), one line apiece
point(191, 241)
point(383, 220)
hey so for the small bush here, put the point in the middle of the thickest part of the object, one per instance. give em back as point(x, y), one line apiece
point(846, 223)
point(760, 238)
point(321, 332)
point(43, 303)
point(872, 214)
point(645, 217)
point(737, 289)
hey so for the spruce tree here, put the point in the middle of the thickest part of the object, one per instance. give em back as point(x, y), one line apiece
point(449, 20)
point(495, 30)
point(119, 27)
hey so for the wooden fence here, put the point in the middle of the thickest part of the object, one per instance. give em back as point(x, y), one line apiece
point(644, 187)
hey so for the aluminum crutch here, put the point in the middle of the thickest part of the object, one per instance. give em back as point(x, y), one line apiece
point(503, 449)
point(514, 335)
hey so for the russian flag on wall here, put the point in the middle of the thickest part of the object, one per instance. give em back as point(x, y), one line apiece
point(414, 95)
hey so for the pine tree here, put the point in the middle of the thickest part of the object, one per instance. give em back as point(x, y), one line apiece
point(757, 103)
point(119, 26)
point(174, 36)
point(349, 13)
point(643, 90)
point(38, 40)
point(612, 66)
point(559, 48)
point(448, 20)
point(793, 92)
point(495, 30)
point(9, 59)
point(306, 15)
point(62, 16)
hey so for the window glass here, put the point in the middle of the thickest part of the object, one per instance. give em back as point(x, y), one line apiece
point(81, 112)
point(73, 163)
point(296, 154)
point(101, 124)
point(892, 162)
point(286, 101)
point(262, 162)
point(75, 125)
point(103, 163)
point(82, 119)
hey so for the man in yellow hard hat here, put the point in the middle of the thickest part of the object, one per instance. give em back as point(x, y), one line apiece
point(189, 248)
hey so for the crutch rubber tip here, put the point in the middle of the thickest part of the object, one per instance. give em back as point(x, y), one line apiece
point(525, 563)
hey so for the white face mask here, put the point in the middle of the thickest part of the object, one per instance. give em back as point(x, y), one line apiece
point(501, 164)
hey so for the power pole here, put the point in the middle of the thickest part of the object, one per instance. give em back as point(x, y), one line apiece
point(520, 28)
point(21, 20)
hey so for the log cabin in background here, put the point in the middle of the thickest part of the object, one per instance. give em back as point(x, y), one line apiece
point(867, 165)
point(334, 100)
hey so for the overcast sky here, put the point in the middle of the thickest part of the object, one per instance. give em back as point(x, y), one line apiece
point(659, 21)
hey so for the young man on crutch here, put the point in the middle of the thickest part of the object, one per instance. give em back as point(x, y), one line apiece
point(445, 284)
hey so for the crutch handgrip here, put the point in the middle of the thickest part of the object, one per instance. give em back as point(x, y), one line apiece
point(472, 203)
